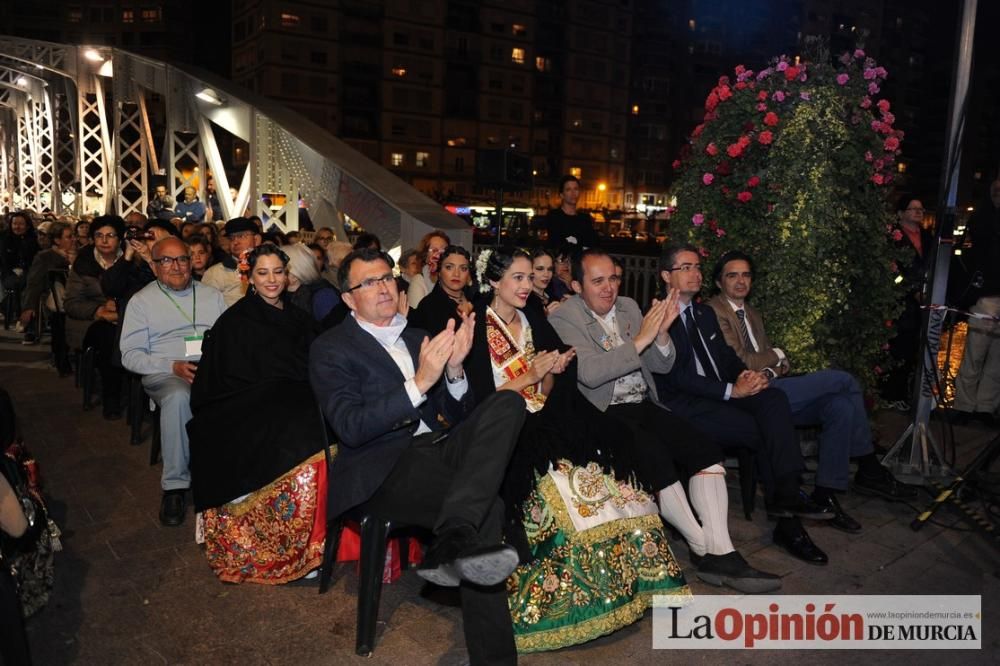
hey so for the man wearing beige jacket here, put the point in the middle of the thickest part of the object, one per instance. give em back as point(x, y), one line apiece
point(830, 398)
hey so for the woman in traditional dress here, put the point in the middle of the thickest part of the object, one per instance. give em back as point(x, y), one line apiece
point(258, 470)
point(592, 545)
point(450, 295)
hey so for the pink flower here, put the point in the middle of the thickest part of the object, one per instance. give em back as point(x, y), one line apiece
point(707, 178)
point(703, 252)
point(778, 96)
point(720, 232)
point(858, 53)
point(878, 179)
point(712, 149)
point(897, 235)
point(697, 219)
point(868, 156)
point(761, 106)
point(753, 182)
point(781, 66)
point(892, 143)
point(805, 96)
point(873, 88)
point(881, 73)
point(883, 105)
point(878, 369)
point(744, 196)
point(764, 73)
point(866, 102)
point(842, 79)
point(888, 118)
point(676, 164)
point(869, 74)
point(877, 125)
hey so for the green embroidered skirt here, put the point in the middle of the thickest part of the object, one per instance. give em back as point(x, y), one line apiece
point(600, 554)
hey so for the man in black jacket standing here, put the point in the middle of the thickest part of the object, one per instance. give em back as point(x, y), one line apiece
point(412, 450)
point(565, 224)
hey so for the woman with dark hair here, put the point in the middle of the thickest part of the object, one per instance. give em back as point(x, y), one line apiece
point(18, 247)
point(542, 272)
point(592, 546)
point(258, 472)
point(210, 231)
point(430, 248)
point(201, 255)
point(897, 385)
point(559, 287)
point(451, 294)
point(91, 315)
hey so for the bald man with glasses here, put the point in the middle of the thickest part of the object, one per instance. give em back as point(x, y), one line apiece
point(161, 340)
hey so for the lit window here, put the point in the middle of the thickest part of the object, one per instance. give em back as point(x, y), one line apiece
point(577, 123)
point(576, 172)
point(457, 141)
point(289, 20)
point(399, 71)
point(519, 30)
point(151, 15)
point(543, 64)
point(422, 159)
point(517, 55)
point(901, 167)
point(128, 16)
point(691, 24)
point(635, 109)
point(397, 159)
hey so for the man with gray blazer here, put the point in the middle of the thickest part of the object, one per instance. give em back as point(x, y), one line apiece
point(617, 350)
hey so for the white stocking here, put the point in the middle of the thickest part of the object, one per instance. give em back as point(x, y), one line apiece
point(711, 501)
point(675, 510)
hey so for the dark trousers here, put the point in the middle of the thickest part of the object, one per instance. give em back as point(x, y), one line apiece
point(761, 422)
point(13, 639)
point(102, 336)
point(664, 446)
point(438, 483)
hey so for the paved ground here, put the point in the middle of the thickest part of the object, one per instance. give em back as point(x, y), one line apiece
point(129, 591)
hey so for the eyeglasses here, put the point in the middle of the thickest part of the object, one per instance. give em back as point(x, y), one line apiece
point(180, 261)
point(368, 283)
point(108, 236)
point(684, 268)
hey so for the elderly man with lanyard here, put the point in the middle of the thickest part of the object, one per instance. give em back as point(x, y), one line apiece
point(243, 235)
point(161, 340)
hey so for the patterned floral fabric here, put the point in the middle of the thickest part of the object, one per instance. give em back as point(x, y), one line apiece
point(274, 535)
point(509, 361)
point(600, 556)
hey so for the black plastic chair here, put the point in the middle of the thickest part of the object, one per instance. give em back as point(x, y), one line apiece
point(86, 374)
point(11, 306)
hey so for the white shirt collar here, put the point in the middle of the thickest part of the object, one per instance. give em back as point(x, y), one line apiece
point(387, 336)
point(607, 318)
point(736, 308)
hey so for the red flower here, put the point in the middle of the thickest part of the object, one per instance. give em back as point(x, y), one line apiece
point(677, 164)
point(723, 169)
point(740, 85)
point(744, 196)
point(771, 119)
point(734, 150)
point(878, 179)
point(762, 96)
point(883, 105)
point(892, 143)
point(791, 73)
point(712, 149)
point(712, 101)
point(707, 178)
point(725, 190)
point(765, 137)
point(753, 182)
point(696, 132)
point(724, 93)
point(703, 252)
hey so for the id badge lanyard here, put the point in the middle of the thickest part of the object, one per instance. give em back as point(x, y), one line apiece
point(192, 343)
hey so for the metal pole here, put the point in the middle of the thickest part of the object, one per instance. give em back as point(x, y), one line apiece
point(918, 432)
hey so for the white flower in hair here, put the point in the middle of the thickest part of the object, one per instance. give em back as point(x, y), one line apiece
point(481, 261)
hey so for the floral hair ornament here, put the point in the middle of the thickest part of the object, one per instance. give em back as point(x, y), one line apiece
point(481, 261)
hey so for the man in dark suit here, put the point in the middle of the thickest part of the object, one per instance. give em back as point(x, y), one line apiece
point(710, 386)
point(410, 448)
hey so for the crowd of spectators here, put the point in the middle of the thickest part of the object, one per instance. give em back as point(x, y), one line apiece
point(471, 395)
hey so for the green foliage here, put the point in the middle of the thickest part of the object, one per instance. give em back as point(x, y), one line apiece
point(791, 165)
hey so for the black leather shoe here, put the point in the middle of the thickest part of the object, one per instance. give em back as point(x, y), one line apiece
point(733, 571)
point(885, 486)
point(800, 507)
point(840, 520)
point(459, 554)
point(173, 506)
point(796, 541)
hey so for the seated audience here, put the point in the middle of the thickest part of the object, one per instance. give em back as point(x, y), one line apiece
point(562, 448)
point(58, 257)
point(712, 388)
point(161, 340)
point(211, 231)
point(412, 449)
point(259, 475)
point(82, 231)
point(542, 272)
point(335, 253)
point(91, 315)
point(18, 246)
point(451, 294)
point(306, 288)
point(409, 265)
point(430, 248)
point(367, 240)
point(320, 254)
point(561, 287)
point(243, 236)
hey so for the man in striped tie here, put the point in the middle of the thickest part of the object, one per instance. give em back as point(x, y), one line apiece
point(831, 399)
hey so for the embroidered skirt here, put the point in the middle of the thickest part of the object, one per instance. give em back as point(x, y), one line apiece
point(274, 535)
point(600, 554)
